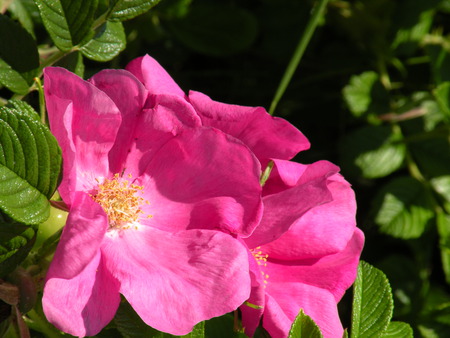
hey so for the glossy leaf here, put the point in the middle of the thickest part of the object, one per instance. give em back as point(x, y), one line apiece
point(304, 326)
point(398, 330)
point(13, 80)
point(402, 208)
point(372, 302)
point(16, 240)
point(108, 42)
point(372, 152)
point(30, 162)
point(128, 9)
point(67, 21)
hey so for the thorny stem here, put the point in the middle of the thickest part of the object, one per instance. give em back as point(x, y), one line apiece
point(298, 53)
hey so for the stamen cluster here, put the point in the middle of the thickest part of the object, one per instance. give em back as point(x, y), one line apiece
point(121, 201)
point(261, 259)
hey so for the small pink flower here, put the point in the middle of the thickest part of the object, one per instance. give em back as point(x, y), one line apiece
point(268, 137)
point(148, 188)
point(302, 258)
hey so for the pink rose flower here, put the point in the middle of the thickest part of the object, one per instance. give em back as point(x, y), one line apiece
point(145, 185)
point(307, 243)
point(268, 137)
point(302, 258)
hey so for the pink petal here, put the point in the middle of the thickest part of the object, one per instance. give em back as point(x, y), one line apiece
point(175, 280)
point(284, 209)
point(268, 137)
point(285, 175)
point(81, 238)
point(284, 302)
point(130, 96)
point(203, 178)
point(84, 304)
point(85, 122)
point(313, 234)
point(334, 273)
point(153, 76)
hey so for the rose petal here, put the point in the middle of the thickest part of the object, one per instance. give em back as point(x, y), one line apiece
point(268, 137)
point(334, 273)
point(313, 235)
point(284, 302)
point(175, 280)
point(153, 76)
point(85, 304)
point(85, 122)
point(204, 179)
point(130, 96)
point(284, 209)
point(81, 238)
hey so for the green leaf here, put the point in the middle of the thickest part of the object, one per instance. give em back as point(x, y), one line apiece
point(130, 325)
point(304, 326)
point(443, 226)
point(442, 93)
point(228, 31)
point(19, 11)
point(128, 9)
point(372, 152)
point(365, 93)
point(68, 22)
point(30, 162)
point(16, 240)
point(441, 185)
point(413, 20)
point(372, 302)
point(108, 42)
point(13, 80)
point(402, 208)
point(398, 330)
point(221, 327)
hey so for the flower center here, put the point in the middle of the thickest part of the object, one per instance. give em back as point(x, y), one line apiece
point(261, 259)
point(121, 201)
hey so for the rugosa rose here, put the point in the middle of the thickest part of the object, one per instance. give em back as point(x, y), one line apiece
point(268, 137)
point(302, 258)
point(305, 252)
point(145, 183)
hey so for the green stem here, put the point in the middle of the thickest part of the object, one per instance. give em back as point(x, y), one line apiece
point(298, 53)
point(51, 60)
point(41, 99)
point(36, 322)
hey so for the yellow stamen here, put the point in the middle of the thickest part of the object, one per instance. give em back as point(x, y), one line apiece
point(261, 259)
point(121, 201)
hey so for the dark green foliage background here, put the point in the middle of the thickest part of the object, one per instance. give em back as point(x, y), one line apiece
point(372, 94)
